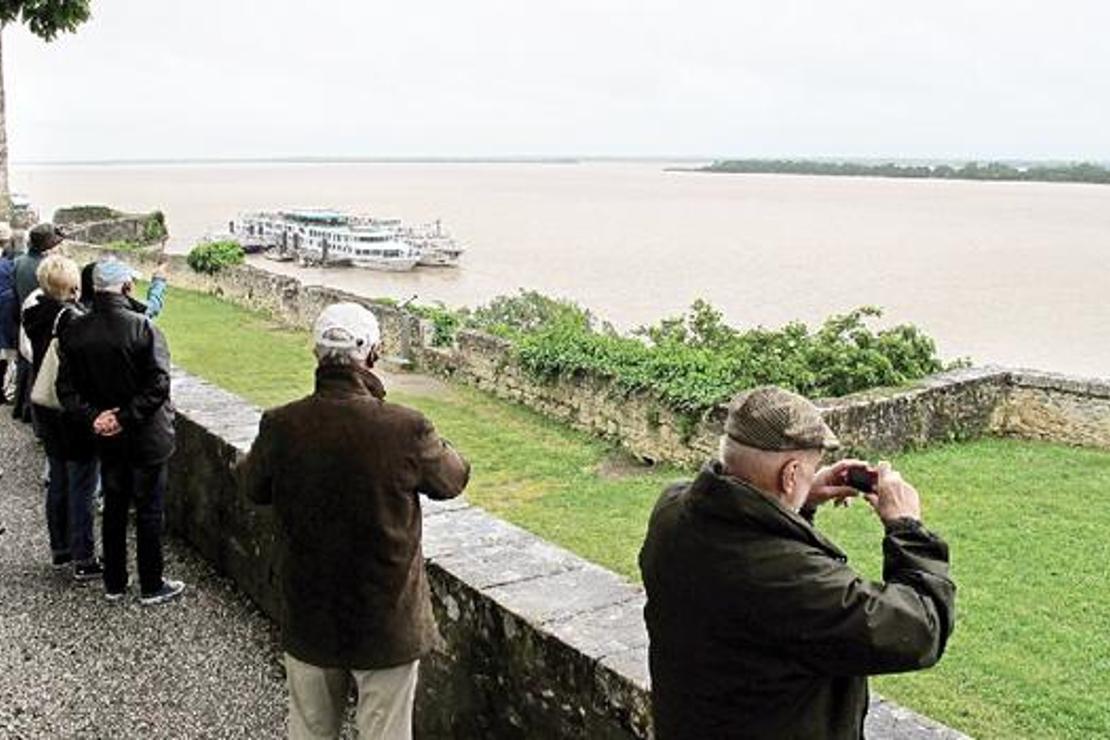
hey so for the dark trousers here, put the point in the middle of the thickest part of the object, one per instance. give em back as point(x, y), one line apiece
point(69, 507)
point(57, 506)
point(21, 404)
point(124, 483)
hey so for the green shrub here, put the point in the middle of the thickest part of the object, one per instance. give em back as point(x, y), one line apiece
point(211, 257)
point(154, 230)
point(696, 361)
point(445, 322)
point(527, 311)
point(508, 316)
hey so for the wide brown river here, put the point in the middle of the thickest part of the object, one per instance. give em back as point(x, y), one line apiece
point(1006, 273)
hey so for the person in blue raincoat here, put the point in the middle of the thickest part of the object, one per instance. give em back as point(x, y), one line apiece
point(9, 311)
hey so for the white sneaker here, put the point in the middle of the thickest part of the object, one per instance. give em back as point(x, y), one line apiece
point(170, 590)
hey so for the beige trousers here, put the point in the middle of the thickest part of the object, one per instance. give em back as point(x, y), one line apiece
point(318, 701)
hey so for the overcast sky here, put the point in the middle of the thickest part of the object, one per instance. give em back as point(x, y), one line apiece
point(232, 78)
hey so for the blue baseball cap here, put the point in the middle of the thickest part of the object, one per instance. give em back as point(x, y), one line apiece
point(112, 273)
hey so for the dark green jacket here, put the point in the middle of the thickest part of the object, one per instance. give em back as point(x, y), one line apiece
point(26, 275)
point(760, 629)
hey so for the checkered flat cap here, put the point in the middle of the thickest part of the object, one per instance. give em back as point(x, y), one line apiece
point(770, 418)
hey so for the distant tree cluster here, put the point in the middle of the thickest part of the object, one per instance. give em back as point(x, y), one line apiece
point(999, 171)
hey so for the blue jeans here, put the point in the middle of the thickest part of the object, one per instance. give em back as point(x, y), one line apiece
point(124, 483)
point(69, 507)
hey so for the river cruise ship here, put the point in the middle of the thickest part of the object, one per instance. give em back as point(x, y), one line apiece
point(329, 237)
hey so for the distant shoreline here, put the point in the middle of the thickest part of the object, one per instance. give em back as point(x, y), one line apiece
point(1081, 172)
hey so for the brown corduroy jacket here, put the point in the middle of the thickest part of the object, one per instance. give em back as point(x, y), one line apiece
point(343, 470)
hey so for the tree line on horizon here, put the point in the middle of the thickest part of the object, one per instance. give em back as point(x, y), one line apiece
point(1088, 172)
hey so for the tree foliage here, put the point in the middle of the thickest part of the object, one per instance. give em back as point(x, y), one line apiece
point(45, 18)
point(999, 171)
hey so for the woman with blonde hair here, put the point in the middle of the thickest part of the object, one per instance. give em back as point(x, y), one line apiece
point(70, 451)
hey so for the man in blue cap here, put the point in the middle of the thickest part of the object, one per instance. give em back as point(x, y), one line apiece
point(115, 376)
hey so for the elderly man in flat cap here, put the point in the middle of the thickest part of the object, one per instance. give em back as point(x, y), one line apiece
point(758, 626)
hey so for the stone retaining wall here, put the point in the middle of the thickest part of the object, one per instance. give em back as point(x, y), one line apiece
point(950, 406)
point(101, 225)
point(536, 641)
point(957, 405)
point(1055, 408)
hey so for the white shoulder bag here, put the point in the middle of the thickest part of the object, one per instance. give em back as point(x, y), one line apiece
point(43, 392)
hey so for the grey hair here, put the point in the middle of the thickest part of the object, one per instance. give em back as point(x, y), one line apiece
point(731, 454)
point(339, 356)
point(752, 463)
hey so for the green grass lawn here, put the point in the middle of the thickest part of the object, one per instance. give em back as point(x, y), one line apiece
point(1027, 523)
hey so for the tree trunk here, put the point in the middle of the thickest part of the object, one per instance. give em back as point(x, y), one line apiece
point(5, 195)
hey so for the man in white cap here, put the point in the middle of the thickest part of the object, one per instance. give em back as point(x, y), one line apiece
point(114, 375)
point(343, 470)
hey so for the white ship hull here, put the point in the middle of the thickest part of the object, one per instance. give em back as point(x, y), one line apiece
point(384, 264)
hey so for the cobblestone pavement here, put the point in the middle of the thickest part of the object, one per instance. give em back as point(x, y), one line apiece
point(73, 665)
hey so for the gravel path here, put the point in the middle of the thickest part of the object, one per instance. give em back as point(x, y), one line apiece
point(73, 665)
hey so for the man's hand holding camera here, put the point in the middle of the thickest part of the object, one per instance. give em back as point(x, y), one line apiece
point(881, 486)
point(831, 484)
point(893, 497)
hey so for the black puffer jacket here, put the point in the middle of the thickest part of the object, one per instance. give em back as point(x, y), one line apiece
point(114, 358)
point(63, 435)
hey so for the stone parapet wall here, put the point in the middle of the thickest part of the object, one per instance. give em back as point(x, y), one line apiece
point(101, 225)
point(536, 642)
point(957, 405)
point(1055, 408)
point(128, 229)
point(947, 407)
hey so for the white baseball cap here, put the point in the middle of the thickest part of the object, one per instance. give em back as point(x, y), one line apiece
point(347, 326)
